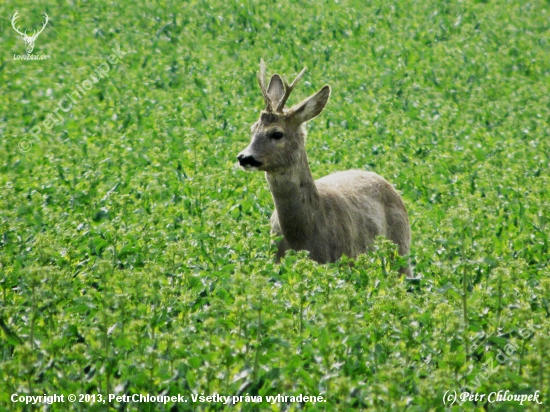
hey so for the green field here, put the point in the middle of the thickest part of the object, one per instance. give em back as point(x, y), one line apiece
point(136, 257)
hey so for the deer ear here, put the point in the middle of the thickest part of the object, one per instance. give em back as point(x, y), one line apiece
point(276, 89)
point(310, 107)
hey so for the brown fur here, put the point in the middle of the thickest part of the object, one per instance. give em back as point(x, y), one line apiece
point(338, 214)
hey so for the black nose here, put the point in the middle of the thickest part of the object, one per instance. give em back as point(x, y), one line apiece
point(245, 161)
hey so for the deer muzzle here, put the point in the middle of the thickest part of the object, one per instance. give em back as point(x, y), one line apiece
point(248, 162)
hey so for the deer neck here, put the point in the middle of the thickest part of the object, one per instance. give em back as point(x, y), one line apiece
point(296, 199)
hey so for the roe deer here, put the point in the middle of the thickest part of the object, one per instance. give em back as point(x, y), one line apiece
point(338, 214)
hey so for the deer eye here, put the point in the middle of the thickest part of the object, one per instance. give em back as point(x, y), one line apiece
point(276, 135)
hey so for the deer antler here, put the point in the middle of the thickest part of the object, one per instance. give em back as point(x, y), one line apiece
point(261, 81)
point(288, 90)
point(13, 19)
point(36, 34)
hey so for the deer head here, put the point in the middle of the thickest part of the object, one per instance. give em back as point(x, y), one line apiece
point(29, 40)
point(278, 137)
